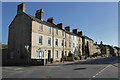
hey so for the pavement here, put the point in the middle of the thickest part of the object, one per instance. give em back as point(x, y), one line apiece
point(92, 68)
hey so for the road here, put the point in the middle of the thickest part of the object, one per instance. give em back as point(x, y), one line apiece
point(96, 68)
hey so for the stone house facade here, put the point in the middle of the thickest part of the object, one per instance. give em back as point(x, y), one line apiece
point(31, 39)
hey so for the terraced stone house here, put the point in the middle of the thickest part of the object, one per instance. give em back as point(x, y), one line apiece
point(32, 39)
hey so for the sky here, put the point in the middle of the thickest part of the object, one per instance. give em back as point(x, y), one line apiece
point(97, 20)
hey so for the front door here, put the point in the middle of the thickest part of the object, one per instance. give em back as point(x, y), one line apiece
point(49, 55)
point(62, 54)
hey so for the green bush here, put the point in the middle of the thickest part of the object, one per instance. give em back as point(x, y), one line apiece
point(76, 57)
point(70, 54)
point(104, 54)
point(4, 46)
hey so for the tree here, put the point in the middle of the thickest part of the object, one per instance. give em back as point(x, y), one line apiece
point(4, 46)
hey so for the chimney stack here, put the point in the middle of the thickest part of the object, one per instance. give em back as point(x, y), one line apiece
point(101, 42)
point(96, 43)
point(67, 28)
point(21, 8)
point(40, 14)
point(51, 20)
point(74, 31)
point(80, 33)
point(60, 25)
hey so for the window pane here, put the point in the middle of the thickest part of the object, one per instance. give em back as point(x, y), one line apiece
point(62, 42)
point(73, 44)
point(62, 33)
point(57, 31)
point(49, 41)
point(56, 42)
point(40, 39)
point(56, 54)
point(40, 27)
point(49, 30)
point(37, 55)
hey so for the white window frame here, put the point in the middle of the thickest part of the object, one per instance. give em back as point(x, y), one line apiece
point(73, 44)
point(73, 37)
point(39, 54)
point(49, 30)
point(69, 36)
point(63, 33)
point(56, 41)
point(49, 39)
point(41, 42)
point(40, 27)
point(62, 43)
point(69, 44)
point(65, 43)
point(56, 56)
point(56, 31)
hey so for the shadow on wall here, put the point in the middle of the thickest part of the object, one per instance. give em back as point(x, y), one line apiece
point(22, 61)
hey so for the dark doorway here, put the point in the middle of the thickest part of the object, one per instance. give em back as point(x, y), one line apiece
point(62, 54)
point(49, 55)
point(88, 52)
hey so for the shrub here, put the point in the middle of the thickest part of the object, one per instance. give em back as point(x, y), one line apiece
point(70, 54)
point(100, 55)
point(76, 57)
point(104, 54)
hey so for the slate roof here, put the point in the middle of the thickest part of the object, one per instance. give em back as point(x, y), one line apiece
point(87, 37)
point(49, 24)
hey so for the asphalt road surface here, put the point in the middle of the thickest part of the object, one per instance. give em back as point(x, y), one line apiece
point(97, 68)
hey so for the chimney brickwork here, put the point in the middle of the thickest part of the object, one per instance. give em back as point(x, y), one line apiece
point(67, 28)
point(74, 31)
point(21, 8)
point(51, 20)
point(60, 25)
point(40, 14)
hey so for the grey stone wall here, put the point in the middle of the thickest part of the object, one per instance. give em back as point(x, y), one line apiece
point(19, 40)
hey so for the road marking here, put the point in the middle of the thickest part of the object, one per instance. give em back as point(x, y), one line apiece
point(100, 71)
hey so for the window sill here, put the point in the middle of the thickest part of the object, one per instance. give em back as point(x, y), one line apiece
point(39, 44)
